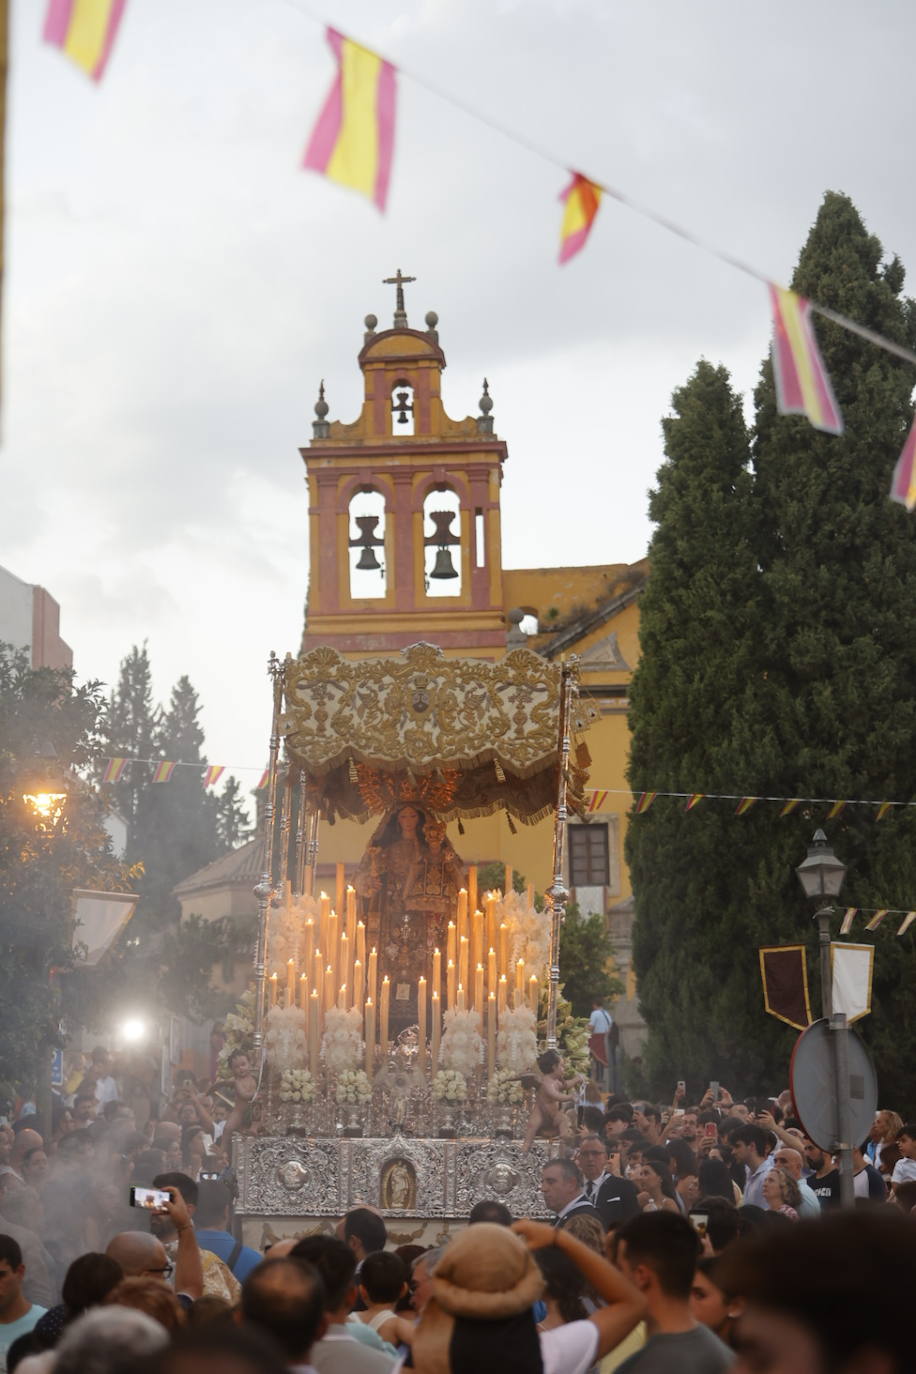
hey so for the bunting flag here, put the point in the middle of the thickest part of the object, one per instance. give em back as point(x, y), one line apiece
point(645, 801)
point(802, 384)
point(883, 810)
point(836, 809)
point(596, 801)
point(353, 140)
point(903, 484)
point(693, 800)
point(852, 967)
point(785, 984)
point(163, 771)
point(263, 781)
point(848, 919)
point(876, 920)
point(114, 770)
point(745, 805)
point(85, 30)
point(582, 199)
point(213, 774)
point(790, 806)
point(907, 921)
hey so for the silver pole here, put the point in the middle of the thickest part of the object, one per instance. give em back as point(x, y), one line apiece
point(558, 893)
point(839, 1044)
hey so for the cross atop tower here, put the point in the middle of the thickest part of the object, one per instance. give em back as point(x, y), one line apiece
point(400, 314)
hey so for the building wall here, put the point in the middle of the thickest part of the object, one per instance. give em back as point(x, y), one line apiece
point(30, 617)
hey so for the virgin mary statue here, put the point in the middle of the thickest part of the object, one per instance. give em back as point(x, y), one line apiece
point(408, 882)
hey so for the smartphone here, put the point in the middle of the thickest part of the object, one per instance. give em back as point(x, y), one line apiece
point(208, 1178)
point(700, 1222)
point(711, 1130)
point(714, 1090)
point(150, 1198)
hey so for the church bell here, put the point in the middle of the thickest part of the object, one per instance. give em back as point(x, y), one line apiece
point(367, 560)
point(443, 566)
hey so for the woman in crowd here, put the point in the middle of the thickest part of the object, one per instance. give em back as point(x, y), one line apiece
point(710, 1302)
point(193, 1151)
point(564, 1289)
point(781, 1193)
point(656, 1191)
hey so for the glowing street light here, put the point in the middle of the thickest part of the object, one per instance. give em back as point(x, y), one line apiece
point(48, 806)
point(133, 1030)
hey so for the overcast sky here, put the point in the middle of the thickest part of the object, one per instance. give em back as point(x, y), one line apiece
point(176, 287)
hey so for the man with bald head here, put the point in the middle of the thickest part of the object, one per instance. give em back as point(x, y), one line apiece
point(25, 1140)
point(286, 1298)
point(142, 1255)
point(792, 1160)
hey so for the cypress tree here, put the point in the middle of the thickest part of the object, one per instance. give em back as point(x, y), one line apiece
point(839, 637)
point(697, 634)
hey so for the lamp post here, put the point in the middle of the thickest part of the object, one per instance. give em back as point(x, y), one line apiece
point(821, 875)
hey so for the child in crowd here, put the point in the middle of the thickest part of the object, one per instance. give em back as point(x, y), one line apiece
point(382, 1283)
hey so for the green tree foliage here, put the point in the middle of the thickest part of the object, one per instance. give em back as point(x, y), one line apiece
point(232, 825)
point(586, 961)
point(49, 737)
point(131, 726)
point(778, 637)
point(191, 952)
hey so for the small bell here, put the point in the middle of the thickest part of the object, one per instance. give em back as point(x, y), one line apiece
point(444, 567)
point(367, 560)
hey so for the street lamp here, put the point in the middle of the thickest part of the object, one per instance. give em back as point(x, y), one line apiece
point(821, 875)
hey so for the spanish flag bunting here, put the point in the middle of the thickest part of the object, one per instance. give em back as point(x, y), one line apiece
point(263, 780)
point(596, 801)
point(802, 384)
point(848, 919)
point(582, 199)
point(213, 774)
point(903, 485)
point(907, 921)
point(163, 771)
point(745, 805)
point(694, 800)
point(114, 770)
point(836, 809)
point(645, 801)
point(883, 810)
point(353, 140)
point(876, 920)
point(790, 806)
point(85, 30)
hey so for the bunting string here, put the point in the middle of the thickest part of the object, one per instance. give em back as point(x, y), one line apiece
point(598, 799)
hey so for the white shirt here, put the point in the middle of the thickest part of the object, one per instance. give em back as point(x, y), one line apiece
point(569, 1349)
point(576, 1202)
point(600, 1021)
point(904, 1171)
point(106, 1090)
point(593, 1187)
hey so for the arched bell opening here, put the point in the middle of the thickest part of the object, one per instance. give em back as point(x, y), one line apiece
point(402, 411)
point(442, 542)
point(368, 573)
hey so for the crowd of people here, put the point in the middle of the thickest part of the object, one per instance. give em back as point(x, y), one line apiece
point(684, 1239)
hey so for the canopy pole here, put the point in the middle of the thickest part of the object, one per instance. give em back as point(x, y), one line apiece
point(265, 888)
point(558, 892)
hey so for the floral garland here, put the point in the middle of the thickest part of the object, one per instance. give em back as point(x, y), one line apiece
point(516, 1040)
point(353, 1086)
point(505, 1087)
point(341, 1044)
point(239, 1028)
point(286, 1041)
point(296, 1085)
point(449, 1086)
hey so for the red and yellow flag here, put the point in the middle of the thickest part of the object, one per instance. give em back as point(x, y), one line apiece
point(582, 200)
point(645, 801)
point(694, 800)
point(876, 920)
point(163, 771)
point(596, 801)
point(883, 810)
point(745, 805)
point(114, 770)
point(802, 384)
point(85, 30)
point(836, 809)
point(848, 918)
point(790, 806)
point(213, 774)
point(907, 921)
point(903, 486)
point(263, 780)
point(353, 140)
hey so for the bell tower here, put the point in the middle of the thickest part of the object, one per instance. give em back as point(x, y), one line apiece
point(404, 517)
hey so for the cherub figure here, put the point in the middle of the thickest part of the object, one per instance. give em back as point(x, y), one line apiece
point(547, 1116)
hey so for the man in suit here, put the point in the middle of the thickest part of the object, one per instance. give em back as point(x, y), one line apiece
point(561, 1189)
point(614, 1198)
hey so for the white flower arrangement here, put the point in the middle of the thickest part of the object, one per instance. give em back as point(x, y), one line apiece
point(529, 931)
point(296, 1085)
point(462, 1044)
point(353, 1086)
point(504, 1087)
point(286, 929)
point(342, 1043)
point(286, 1040)
point(239, 1028)
point(449, 1086)
point(516, 1040)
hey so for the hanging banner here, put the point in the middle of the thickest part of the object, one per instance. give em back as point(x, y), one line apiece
point(852, 967)
point(785, 984)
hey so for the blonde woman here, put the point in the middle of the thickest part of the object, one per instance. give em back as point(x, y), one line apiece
point(781, 1193)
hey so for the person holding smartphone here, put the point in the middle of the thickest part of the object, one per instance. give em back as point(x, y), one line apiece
point(142, 1255)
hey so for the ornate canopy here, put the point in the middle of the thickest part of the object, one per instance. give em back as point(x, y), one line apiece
point(465, 736)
